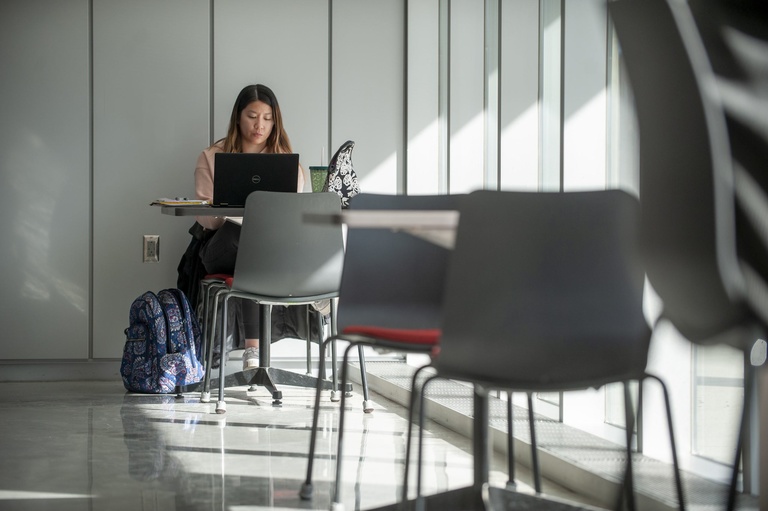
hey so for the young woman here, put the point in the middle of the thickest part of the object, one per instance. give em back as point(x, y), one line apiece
point(255, 126)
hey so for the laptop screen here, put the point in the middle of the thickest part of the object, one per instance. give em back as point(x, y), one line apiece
point(238, 174)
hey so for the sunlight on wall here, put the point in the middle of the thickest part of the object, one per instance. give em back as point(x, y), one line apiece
point(520, 152)
point(423, 170)
point(584, 146)
point(382, 178)
point(36, 247)
point(467, 156)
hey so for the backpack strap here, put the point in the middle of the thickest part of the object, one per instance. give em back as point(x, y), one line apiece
point(189, 327)
point(177, 336)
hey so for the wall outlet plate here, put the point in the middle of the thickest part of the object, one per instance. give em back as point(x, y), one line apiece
point(151, 248)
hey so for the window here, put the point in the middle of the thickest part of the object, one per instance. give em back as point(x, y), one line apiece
point(718, 394)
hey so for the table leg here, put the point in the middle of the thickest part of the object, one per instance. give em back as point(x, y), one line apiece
point(762, 406)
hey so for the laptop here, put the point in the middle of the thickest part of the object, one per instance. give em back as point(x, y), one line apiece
point(238, 174)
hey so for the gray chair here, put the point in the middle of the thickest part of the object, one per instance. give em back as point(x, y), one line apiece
point(281, 260)
point(207, 289)
point(390, 298)
point(702, 174)
point(543, 293)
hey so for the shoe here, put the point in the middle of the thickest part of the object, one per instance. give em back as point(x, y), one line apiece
point(250, 358)
point(322, 306)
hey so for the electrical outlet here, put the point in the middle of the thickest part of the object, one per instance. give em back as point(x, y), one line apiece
point(151, 248)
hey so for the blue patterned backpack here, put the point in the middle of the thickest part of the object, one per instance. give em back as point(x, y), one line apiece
point(162, 346)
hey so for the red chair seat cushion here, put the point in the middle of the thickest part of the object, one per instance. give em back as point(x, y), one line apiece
point(427, 337)
point(217, 276)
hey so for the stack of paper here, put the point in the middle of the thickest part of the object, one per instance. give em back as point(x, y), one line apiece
point(178, 201)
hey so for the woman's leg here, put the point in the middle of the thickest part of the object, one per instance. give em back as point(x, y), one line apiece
point(251, 324)
point(219, 255)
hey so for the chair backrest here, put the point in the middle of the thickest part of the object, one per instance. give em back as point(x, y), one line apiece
point(342, 179)
point(282, 255)
point(393, 279)
point(544, 291)
point(686, 173)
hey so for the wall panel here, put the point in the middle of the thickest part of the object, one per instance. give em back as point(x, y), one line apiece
point(44, 179)
point(466, 96)
point(150, 102)
point(584, 98)
point(368, 89)
point(519, 136)
point(423, 135)
point(283, 45)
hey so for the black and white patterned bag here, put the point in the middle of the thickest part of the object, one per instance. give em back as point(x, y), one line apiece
point(342, 179)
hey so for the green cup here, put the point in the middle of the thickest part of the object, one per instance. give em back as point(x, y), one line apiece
point(318, 174)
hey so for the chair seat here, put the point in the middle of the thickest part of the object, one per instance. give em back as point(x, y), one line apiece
point(428, 337)
point(217, 276)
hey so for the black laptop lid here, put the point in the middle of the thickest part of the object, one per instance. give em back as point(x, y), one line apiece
point(238, 174)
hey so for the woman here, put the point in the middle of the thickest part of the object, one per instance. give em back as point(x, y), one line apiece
point(255, 126)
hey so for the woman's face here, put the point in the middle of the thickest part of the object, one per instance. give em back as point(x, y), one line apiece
point(256, 123)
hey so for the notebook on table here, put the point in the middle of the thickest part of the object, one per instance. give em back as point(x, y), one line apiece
point(238, 174)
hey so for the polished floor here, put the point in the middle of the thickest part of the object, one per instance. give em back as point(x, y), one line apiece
point(92, 446)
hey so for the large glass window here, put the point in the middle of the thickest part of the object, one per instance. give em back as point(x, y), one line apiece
point(615, 413)
point(718, 394)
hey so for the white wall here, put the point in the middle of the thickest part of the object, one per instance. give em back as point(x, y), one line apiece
point(367, 95)
point(44, 179)
point(584, 99)
point(150, 63)
point(519, 136)
point(423, 177)
point(283, 45)
point(106, 106)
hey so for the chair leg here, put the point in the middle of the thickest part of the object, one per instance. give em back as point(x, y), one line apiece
point(745, 411)
point(309, 342)
point(306, 488)
point(206, 288)
point(534, 446)
point(409, 433)
point(511, 483)
point(201, 309)
point(334, 358)
point(205, 395)
point(221, 405)
point(367, 404)
point(628, 486)
point(672, 445)
point(321, 373)
point(336, 495)
point(420, 451)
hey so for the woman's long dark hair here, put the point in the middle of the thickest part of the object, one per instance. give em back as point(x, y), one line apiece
point(277, 142)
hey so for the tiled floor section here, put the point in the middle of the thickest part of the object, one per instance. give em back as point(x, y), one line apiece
point(91, 446)
point(568, 456)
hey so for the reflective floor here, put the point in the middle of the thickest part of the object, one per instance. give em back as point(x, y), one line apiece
point(92, 446)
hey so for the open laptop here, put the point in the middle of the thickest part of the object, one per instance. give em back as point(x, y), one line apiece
point(238, 174)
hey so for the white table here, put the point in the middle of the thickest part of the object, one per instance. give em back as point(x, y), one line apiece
point(437, 226)
point(201, 211)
